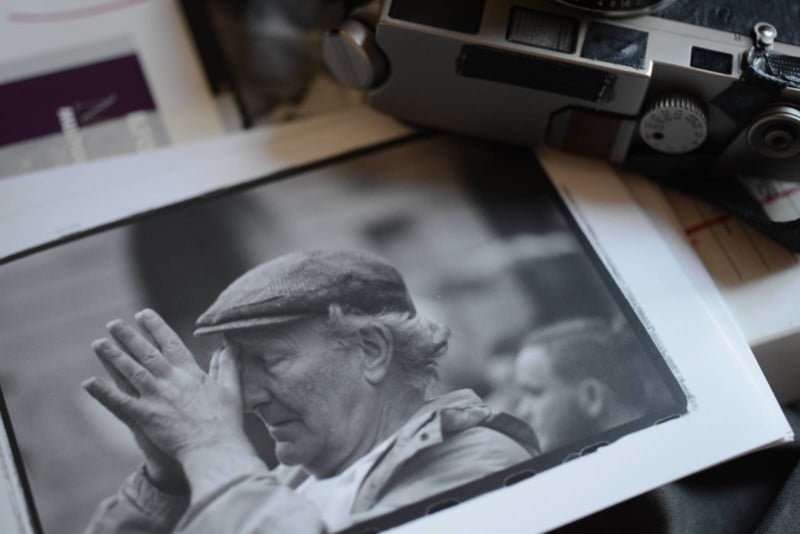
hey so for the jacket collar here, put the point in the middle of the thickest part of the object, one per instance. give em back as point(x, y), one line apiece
point(452, 412)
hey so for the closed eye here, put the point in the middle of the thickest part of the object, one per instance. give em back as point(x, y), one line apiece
point(533, 391)
point(272, 359)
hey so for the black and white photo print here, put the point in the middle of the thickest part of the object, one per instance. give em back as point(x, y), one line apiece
point(351, 347)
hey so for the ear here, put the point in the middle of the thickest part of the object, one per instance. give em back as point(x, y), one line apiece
point(377, 350)
point(592, 397)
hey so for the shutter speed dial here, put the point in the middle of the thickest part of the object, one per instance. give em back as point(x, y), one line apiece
point(674, 124)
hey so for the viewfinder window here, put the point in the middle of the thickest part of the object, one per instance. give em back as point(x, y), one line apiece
point(543, 30)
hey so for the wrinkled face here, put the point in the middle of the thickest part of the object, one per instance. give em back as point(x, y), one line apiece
point(303, 386)
point(548, 403)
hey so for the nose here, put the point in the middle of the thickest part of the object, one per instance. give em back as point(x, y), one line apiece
point(525, 410)
point(254, 389)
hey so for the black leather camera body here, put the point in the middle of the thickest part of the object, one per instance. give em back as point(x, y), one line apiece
point(710, 88)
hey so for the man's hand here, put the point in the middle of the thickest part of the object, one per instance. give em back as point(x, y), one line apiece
point(164, 472)
point(179, 414)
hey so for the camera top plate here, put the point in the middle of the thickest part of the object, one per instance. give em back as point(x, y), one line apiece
point(617, 8)
point(738, 16)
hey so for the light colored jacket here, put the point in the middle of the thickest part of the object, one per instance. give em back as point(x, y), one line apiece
point(451, 440)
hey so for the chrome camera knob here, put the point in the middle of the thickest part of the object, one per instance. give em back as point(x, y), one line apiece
point(674, 124)
point(353, 56)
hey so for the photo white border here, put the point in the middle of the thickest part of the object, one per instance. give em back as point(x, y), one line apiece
point(731, 409)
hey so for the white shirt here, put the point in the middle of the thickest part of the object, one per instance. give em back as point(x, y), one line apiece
point(334, 496)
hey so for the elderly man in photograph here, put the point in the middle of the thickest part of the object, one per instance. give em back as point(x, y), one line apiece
point(327, 349)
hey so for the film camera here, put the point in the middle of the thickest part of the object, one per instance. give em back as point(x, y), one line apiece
point(665, 87)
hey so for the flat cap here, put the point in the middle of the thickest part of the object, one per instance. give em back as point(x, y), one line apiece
point(307, 283)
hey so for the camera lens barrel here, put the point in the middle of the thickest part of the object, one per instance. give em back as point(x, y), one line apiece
point(775, 134)
point(617, 8)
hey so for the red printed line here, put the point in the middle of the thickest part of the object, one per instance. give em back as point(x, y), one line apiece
point(707, 224)
point(782, 194)
point(80, 13)
point(724, 217)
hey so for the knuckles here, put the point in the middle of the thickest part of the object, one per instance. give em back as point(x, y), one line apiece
point(125, 401)
point(140, 375)
point(151, 356)
point(173, 345)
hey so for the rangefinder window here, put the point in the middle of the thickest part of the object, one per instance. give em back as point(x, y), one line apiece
point(712, 60)
point(615, 44)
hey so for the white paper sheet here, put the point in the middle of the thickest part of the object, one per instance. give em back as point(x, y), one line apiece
point(40, 207)
point(45, 37)
point(758, 279)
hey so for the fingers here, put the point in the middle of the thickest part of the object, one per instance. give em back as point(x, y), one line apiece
point(138, 347)
point(165, 338)
point(121, 382)
point(130, 370)
point(122, 405)
point(213, 366)
point(227, 373)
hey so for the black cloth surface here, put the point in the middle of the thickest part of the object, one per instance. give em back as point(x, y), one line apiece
point(758, 493)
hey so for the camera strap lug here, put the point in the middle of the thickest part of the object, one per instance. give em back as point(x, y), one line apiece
point(763, 66)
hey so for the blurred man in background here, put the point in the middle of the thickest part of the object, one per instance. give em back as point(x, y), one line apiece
point(576, 379)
